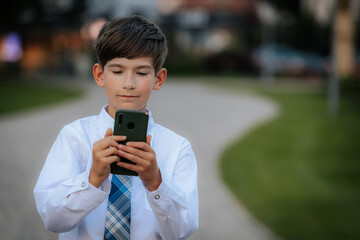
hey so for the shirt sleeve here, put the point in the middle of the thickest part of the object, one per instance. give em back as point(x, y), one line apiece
point(63, 194)
point(175, 202)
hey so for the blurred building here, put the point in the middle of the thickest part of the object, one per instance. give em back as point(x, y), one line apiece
point(208, 25)
point(218, 33)
point(120, 8)
point(55, 37)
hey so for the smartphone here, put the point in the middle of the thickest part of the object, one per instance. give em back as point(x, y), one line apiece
point(132, 124)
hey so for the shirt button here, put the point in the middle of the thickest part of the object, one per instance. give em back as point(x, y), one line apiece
point(83, 184)
point(157, 197)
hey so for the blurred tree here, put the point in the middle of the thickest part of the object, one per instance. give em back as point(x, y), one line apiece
point(48, 31)
point(294, 24)
point(29, 16)
point(343, 49)
point(17, 12)
point(344, 45)
point(290, 6)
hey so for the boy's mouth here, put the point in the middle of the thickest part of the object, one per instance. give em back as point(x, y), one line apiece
point(127, 96)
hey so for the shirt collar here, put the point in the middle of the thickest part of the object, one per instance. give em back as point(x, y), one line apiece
point(105, 121)
point(151, 125)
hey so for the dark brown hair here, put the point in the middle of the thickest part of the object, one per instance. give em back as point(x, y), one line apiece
point(131, 37)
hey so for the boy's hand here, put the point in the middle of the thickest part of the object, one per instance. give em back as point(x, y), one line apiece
point(145, 159)
point(105, 152)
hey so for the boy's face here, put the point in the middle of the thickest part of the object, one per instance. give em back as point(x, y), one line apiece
point(128, 83)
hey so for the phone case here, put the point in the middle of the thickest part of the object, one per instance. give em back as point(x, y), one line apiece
point(132, 124)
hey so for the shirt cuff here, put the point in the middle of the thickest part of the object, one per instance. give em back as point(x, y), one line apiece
point(86, 190)
point(159, 194)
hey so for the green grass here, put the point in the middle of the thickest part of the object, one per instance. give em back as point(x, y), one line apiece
point(300, 173)
point(21, 95)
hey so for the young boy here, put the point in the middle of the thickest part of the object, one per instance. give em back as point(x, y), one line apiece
point(72, 192)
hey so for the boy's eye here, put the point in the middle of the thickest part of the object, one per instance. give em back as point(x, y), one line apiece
point(117, 72)
point(142, 73)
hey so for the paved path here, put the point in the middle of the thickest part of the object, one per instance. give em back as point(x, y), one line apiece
point(208, 117)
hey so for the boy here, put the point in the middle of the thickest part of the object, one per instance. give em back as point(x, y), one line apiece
point(72, 192)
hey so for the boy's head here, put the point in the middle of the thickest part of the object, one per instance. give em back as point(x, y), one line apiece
point(131, 37)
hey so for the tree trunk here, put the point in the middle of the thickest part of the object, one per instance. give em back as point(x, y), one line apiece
point(344, 39)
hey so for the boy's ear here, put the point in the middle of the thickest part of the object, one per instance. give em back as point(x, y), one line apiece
point(98, 75)
point(160, 78)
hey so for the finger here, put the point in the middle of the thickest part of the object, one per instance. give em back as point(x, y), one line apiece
point(131, 157)
point(112, 159)
point(109, 152)
point(108, 132)
point(129, 166)
point(141, 159)
point(105, 143)
point(101, 154)
point(114, 137)
point(135, 151)
point(117, 138)
point(140, 145)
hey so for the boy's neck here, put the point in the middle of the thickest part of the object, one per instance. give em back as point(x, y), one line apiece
point(107, 110)
point(112, 112)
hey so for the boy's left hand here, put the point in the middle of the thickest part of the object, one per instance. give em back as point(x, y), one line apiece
point(144, 158)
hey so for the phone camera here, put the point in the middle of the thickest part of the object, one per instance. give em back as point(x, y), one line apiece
point(131, 125)
point(120, 120)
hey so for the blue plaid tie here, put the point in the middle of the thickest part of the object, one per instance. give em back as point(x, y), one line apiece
point(117, 225)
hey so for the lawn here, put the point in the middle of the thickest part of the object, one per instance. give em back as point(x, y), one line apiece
point(300, 173)
point(19, 95)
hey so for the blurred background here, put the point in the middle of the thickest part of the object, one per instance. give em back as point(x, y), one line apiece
point(299, 174)
point(247, 37)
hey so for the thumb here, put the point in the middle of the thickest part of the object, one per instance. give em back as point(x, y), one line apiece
point(148, 139)
point(108, 132)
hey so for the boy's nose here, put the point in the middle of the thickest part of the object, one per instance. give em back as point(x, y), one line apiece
point(129, 82)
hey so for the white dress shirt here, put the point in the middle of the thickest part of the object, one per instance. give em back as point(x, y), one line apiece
point(68, 204)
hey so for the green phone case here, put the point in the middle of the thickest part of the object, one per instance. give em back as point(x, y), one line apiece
point(132, 124)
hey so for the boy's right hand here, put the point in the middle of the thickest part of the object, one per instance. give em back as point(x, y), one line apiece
point(105, 152)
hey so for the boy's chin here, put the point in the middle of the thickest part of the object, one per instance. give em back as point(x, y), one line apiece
point(129, 107)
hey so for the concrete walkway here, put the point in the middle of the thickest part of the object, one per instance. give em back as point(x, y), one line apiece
point(208, 117)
